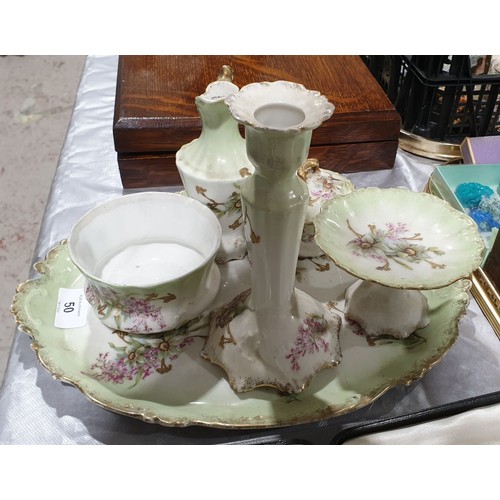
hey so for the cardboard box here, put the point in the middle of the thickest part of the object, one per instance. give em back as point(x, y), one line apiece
point(445, 179)
point(155, 113)
point(443, 183)
point(481, 150)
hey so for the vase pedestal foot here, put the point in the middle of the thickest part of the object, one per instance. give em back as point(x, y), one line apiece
point(282, 349)
point(385, 311)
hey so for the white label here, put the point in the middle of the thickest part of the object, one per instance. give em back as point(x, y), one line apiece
point(72, 308)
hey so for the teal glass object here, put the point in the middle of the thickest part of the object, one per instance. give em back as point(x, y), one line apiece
point(470, 194)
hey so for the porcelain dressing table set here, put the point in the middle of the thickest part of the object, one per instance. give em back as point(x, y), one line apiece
point(267, 280)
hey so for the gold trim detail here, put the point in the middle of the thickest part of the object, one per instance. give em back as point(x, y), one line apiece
point(226, 74)
point(310, 165)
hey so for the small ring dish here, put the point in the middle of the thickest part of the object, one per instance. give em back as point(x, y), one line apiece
point(399, 238)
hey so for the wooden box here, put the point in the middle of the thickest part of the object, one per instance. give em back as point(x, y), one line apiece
point(155, 113)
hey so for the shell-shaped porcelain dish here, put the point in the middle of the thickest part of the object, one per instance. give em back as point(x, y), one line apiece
point(399, 238)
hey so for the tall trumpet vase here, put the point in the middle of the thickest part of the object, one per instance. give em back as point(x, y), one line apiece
point(274, 334)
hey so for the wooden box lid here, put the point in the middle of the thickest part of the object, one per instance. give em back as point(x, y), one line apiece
point(155, 112)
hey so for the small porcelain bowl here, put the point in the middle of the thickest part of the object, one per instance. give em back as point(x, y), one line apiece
point(148, 259)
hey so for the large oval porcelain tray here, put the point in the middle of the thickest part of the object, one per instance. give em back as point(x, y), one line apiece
point(399, 238)
point(163, 379)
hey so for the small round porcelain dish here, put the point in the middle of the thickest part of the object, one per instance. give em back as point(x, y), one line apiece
point(399, 238)
point(148, 260)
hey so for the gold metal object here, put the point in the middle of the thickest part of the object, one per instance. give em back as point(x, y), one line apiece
point(430, 149)
point(487, 297)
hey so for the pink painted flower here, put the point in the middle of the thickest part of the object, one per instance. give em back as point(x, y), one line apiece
point(139, 357)
point(310, 339)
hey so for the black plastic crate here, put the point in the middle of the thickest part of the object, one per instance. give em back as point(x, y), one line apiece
point(440, 97)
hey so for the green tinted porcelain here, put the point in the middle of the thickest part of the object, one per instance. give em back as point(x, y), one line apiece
point(163, 379)
point(213, 165)
point(259, 344)
point(399, 238)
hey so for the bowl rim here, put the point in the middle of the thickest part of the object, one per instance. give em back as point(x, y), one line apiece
point(124, 199)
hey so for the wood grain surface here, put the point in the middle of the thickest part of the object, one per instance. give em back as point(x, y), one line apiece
point(155, 113)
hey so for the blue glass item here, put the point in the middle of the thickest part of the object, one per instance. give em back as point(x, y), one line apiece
point(483, 219)
point(492, 206)
point(470, 193)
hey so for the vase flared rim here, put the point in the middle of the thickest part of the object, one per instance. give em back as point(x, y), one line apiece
point(217, 91)
point(306, 109)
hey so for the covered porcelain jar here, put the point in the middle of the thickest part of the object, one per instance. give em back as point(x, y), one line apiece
point(323, 185)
